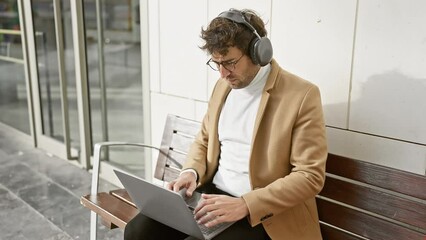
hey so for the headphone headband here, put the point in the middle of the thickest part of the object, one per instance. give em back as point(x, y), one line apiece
point(260, 48)
point(238, 17)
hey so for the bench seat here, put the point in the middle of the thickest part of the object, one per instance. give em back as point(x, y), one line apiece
point(113, 211)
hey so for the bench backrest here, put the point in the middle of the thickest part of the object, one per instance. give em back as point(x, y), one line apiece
point(371, 201)
point(178, 135)
point(360, 200)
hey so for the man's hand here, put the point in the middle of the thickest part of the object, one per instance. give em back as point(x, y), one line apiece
point(214, 209)
point(186, 180)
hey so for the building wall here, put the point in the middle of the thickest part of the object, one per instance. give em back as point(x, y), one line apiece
point(368, 57)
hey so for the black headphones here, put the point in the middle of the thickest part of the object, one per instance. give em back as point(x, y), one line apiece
point(260, 47)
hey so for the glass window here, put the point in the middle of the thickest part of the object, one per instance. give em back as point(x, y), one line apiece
point(13, 89)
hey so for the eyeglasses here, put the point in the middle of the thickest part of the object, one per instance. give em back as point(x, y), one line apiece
point(228, 65)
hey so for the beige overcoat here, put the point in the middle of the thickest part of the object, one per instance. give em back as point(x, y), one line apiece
point(287, 162)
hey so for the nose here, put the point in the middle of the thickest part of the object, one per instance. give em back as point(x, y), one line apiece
point(223, 71)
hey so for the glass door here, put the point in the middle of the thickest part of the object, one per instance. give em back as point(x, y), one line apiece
point(113, 43)
point(87, 79)
point(53, 77)
point(14, 103)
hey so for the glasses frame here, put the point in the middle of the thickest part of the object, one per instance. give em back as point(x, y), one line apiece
point(228, 65)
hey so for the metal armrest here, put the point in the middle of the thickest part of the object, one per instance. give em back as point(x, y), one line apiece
point(95, 176)
point(97, 159)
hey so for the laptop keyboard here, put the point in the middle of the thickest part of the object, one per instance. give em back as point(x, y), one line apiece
point(209, 230)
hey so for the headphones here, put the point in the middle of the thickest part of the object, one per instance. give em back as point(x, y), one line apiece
point(260, 48)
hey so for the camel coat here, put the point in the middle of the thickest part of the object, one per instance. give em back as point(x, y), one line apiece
point(287, 161)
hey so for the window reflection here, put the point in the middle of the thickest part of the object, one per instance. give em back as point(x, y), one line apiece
point(122, 78)
point(117, 15)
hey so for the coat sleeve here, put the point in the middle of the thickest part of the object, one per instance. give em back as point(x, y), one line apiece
point(197, 155)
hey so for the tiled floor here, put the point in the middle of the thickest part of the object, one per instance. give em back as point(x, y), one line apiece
point(39, 194)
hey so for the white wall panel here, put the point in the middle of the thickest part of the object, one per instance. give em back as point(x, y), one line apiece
point(183, 71)
point(263, 8)
point(314, 39)
point(200, 110)
point(389, 79)
point(382, 151)
point(161, 105)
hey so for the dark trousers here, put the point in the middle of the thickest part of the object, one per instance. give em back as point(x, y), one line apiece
point(145, 228)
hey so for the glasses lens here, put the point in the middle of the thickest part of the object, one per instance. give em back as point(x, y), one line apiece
point(230, 66)
point(213, 65)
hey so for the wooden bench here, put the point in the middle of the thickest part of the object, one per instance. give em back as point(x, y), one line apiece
point(360, 200)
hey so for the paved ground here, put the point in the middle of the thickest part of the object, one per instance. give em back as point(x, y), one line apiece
point(39, 194)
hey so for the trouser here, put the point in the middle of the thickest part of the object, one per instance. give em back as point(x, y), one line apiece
point(145, 228)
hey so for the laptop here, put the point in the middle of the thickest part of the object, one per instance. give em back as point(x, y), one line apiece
point(171, 208)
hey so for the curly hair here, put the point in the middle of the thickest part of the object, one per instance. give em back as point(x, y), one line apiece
point(223, 33)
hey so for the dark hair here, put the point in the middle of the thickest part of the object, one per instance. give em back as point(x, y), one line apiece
point(223, 33)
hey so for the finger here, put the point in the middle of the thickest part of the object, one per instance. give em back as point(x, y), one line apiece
point(206, 218)
point(213, 218)
point(202, 206)
point(177, 186)
point(201, 203)
point(206, 207)
point(190, 190)
point(200, 211)
point(217, 220)
point(170, 185)
point(210, 196)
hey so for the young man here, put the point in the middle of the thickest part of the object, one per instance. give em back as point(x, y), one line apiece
point(261, 149)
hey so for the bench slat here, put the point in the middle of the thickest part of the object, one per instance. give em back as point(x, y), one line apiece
point(123, 196)
point(170, 174)
point(111, 209)
point(376, 175)
point(181, 143)
point(362, 224)
point(330, 233)
point(175, 158)
point(186, 126)
point(373, 200)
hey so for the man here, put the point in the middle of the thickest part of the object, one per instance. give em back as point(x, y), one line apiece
point(261, 149)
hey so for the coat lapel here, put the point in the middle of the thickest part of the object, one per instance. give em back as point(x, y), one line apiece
point(222, 92)
point(270, 82)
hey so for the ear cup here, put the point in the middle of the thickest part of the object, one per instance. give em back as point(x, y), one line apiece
point(261, 51)
point(252, 50)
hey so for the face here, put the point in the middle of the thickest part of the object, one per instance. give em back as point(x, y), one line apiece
point(244, 70)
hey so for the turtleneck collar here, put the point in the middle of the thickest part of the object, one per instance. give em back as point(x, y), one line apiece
point(258, 82)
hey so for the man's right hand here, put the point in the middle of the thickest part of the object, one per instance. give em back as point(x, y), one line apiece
point(186, 180)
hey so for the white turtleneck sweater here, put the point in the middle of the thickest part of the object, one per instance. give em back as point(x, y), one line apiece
point(236, 125)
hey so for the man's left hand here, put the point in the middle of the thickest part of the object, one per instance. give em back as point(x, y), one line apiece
point(214, 209)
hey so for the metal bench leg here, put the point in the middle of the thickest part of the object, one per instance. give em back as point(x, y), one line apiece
point(93, 225)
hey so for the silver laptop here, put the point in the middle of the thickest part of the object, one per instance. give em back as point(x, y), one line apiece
point(170, 208)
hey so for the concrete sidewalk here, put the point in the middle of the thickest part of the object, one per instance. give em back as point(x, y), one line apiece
point(39, 194)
